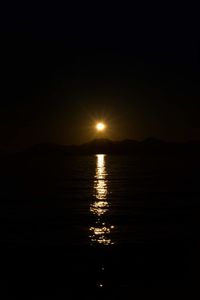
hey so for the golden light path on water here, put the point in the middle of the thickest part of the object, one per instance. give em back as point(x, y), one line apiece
point(100, 233)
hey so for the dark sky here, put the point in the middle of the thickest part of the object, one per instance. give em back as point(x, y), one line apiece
point(63, 67)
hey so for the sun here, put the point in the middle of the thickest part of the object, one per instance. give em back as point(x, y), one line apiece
point(100, 126)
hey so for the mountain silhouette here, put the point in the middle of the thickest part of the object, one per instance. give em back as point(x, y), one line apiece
point(149, 146)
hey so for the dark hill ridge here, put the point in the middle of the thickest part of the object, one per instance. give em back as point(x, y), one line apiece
point(149, 146)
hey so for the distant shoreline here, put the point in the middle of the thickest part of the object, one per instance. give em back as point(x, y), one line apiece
point(150, 146)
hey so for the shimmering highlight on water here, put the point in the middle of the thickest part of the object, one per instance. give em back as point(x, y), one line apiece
point(100, 233)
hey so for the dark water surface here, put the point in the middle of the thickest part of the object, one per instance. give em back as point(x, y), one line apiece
point(99, 226)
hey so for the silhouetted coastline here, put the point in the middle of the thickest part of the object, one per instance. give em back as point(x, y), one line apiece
point(149, 146)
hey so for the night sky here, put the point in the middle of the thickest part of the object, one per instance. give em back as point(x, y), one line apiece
point(64, 67)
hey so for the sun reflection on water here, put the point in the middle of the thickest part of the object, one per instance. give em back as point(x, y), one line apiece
point(100, 233)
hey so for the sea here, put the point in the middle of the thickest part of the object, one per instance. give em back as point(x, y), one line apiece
point(99, 227)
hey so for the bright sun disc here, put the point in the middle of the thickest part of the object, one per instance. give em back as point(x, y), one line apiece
point(100, 126)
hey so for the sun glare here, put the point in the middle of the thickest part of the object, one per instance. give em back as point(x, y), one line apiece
point(100, 126)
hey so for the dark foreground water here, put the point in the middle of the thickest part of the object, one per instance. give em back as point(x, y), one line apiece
point(99, 227)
